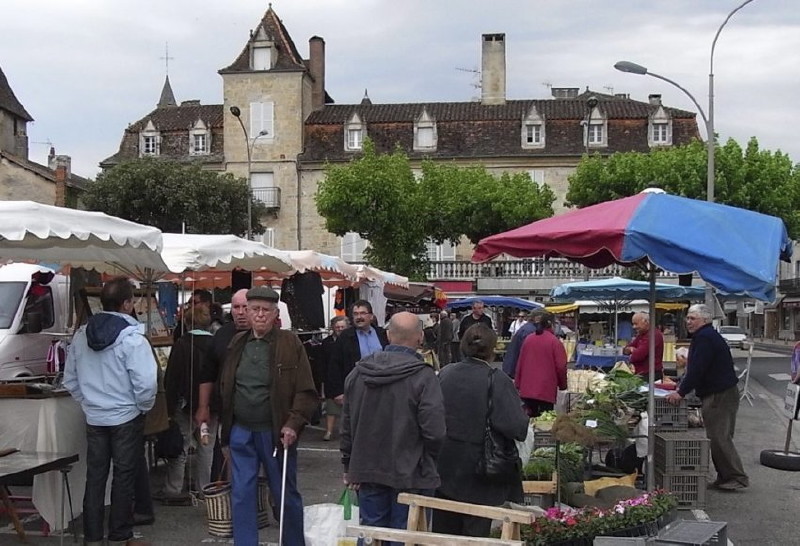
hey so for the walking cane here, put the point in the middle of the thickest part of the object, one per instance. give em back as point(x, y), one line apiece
point(283, 493)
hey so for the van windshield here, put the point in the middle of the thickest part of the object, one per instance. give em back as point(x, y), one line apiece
point(10, 296)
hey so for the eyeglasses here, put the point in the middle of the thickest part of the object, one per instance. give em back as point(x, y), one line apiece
point(260, 310)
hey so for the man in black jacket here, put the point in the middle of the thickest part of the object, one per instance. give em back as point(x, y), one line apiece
point(475, 317)
point(393, 426)
point(711, 375)
point(355, 343)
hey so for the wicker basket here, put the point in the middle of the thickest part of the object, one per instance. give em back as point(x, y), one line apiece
point(218, 507)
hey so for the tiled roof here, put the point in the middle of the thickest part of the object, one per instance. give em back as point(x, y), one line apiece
point(288, 56)
point(181, 118)
point(550, 109)
point(9, 102)
point(471, 130)
point(73, 180)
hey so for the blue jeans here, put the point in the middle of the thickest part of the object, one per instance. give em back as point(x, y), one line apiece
point(250, 450)
point(378, 506)
point(123, 445)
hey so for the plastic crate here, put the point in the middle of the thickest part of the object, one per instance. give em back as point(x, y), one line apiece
point(694, 533)
point(670, 417)
point(542, 500)
point(681, 451)
point(689, 488)
point(621, 541)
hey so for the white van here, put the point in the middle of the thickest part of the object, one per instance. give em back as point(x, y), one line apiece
point(33, 315)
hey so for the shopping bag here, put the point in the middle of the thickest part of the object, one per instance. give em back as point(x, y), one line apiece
point(326, 524)
point(525, 448)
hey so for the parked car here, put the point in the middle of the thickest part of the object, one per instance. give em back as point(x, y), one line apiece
point(734, 335)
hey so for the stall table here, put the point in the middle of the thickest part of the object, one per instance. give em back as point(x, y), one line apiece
point(53, 424)
point(584, 361)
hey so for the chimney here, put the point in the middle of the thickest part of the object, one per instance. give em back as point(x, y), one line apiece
point(655, 99)
point(316, 67)
point(51, 158)
point(493, 69)
point(64, 161)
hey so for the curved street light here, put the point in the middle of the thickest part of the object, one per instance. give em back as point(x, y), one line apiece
point(237, 113)
point(633, 68)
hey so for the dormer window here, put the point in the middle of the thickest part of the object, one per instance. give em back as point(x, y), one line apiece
point(659, 131)
point(425, 135)
point(199, 139)
point(262, 50)
point(354, 134)
point(596, 130)
point(149, 141)
point(533, 129)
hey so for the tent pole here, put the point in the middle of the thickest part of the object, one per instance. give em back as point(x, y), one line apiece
point(651, 401)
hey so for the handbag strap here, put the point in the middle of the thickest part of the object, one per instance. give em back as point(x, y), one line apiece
point(489, 404)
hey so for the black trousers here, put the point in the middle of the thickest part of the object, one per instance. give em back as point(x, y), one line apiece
point(452, 523)
point(121, 444)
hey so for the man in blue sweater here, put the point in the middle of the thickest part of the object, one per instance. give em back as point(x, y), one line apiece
point(711, 375)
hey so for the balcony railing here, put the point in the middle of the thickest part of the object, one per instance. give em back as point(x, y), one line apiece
point(789, 286)
point(271, 197)
point(559, 268)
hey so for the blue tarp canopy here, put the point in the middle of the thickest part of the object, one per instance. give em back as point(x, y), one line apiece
point(495, 301)
point(617, 288)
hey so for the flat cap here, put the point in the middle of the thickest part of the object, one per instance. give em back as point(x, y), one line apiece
point(262, 293)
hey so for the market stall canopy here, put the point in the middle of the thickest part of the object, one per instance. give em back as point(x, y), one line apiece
point(93, 240)
point(733, 249)
point(495, 301)
point(189, 252)
point(619, 288)
point(369, 273)
point(333, 270)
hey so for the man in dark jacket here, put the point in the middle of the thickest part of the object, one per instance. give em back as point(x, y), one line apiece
point(475, 317)
point(445, 339)
point(353, 344)
point(393, 426)
point(711, 375)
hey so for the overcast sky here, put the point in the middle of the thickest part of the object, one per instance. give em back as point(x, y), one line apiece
point(85, 69)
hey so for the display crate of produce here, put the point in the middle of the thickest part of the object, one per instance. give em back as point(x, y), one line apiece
point(689, 488)
point(694, 533)
point(670, 417)
point(681, 452)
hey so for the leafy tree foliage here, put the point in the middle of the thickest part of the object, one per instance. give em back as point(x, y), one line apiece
point(165, 194)
point(749, 178)
point(378, 196)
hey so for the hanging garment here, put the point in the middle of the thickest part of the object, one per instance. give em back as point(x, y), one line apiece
point(302, 294)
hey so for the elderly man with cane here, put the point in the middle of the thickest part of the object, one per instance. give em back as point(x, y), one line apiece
point(268, 396)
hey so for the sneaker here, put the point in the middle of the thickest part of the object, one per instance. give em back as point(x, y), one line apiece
point(327, 437)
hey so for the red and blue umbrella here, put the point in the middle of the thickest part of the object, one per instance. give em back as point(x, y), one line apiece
point(735, 250)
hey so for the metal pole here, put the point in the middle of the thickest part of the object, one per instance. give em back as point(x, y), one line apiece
point(248, 147)
point(651, 400)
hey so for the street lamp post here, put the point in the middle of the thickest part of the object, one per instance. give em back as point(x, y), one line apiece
point(237, 113)
point(633, 68)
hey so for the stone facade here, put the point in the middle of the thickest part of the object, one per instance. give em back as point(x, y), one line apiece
point(20, 184)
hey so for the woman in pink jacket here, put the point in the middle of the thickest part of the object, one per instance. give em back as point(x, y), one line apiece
point(541, 368)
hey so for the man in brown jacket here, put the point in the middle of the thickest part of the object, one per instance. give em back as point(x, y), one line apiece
point(268, 396)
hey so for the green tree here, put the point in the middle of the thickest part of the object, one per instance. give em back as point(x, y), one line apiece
point(754, 179)
point(375, 195)
point(378, 196)
point(166, 194)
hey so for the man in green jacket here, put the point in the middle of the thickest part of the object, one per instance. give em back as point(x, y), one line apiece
point(268, 396)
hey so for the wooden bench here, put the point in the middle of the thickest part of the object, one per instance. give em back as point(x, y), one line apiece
point(416, 529)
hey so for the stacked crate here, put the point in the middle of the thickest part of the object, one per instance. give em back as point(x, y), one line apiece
point(682, 463)
point(669, 417)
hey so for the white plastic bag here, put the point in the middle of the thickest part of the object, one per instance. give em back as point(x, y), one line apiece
point(326, 524)
point(526, 448)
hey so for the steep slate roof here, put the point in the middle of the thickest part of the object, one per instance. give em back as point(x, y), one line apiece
point(9, 102)
point(180, 118)
point(167, 96)
point(288, 56)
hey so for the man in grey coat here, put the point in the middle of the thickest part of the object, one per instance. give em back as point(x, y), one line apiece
point(392, 426)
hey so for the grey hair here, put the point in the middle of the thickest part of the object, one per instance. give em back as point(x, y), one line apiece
point(702, 311)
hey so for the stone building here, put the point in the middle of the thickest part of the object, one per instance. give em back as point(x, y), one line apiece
point(293, 128)
point(20, 178)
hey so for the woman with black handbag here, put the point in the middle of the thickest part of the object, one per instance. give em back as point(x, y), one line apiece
point(479, 462)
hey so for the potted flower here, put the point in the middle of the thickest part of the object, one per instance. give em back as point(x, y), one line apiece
point(638, 516)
